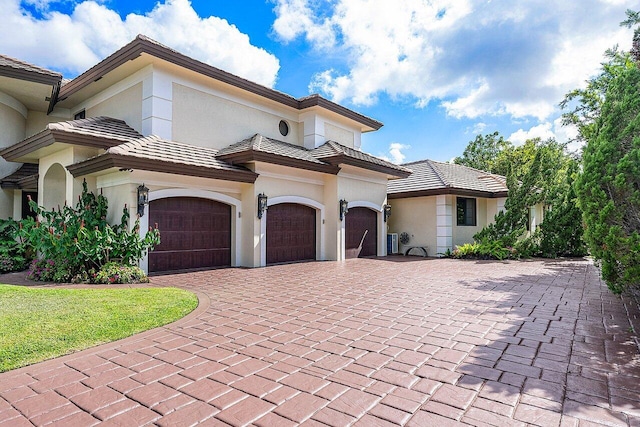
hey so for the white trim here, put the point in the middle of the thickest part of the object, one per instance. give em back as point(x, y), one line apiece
point(202, 194)
point(291, 178)
point(14, 104)
point(320, 226)
point(367, 179)
point(381, 244)
point(365, 204)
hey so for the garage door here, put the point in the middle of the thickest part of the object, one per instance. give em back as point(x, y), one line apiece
point(359, 220)
point(291, 233)
point(194, 233)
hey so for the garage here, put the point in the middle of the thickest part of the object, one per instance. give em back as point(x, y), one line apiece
point(194, 233)
point(291, 233)
point(359, 221)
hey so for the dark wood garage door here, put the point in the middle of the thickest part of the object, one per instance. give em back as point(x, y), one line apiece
point(357, 221)
point(291, 233)
point(194, 233)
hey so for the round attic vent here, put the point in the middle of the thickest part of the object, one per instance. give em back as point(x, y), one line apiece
point(284, 128)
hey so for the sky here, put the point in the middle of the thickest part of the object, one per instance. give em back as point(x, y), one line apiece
point(435, 72)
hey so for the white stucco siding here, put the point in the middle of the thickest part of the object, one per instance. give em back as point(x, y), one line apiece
point(207, 120)
point(13, 126)
point(125, 105)
point(338, 134)
point(464, 233)
point(415, 216)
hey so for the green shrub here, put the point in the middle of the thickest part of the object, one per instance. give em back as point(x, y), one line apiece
point(14, 256)
point(73, 243)
point(115, 273)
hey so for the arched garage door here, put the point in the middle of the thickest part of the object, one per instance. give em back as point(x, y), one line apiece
point(194, 233)
point(359, 220)
point(291, 233)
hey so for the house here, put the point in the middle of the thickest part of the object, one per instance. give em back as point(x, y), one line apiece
point(237, 174)
point(443, 205)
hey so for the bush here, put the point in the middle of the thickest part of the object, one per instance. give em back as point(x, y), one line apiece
point(14, 256)
point(115, 273)
point(73, 243)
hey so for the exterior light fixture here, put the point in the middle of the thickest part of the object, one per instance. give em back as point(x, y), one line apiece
point(344, 208)
point(386, 210)
point(262, 204)
point(143, 199)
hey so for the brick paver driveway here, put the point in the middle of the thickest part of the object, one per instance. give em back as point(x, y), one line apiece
point(369, 342)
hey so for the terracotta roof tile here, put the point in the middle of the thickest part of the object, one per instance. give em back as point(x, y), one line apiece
point(432, 176)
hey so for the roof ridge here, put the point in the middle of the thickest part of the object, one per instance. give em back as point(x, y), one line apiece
point(438, 173)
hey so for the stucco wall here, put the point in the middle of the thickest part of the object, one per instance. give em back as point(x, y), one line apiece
point(125, 105)
point(335, 133)
point(415, 216)
point(464, 233)
point(37, 121)
point(12, 130)
point(203, 119)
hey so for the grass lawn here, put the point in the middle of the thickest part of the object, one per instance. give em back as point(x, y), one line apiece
point(38, 324)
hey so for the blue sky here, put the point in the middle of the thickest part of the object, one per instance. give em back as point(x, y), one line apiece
point(436, 72)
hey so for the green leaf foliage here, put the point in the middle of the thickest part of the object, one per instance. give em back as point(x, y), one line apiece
point(609, 187)
point(73, 241)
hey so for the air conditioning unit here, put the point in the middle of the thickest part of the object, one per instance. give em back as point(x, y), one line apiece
point(392, 243)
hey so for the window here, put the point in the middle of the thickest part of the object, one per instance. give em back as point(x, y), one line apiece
point(466, 211)
point(79, 115)
point(284, 128)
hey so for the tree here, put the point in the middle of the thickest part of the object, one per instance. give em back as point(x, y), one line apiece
point(608, 117)
point(482, 152)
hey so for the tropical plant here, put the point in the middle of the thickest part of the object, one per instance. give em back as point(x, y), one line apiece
point(72, 241)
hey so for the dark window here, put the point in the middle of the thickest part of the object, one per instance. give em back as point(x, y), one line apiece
point(466, 211)
point(79, 115)
point(26, 209)
point(284, 128)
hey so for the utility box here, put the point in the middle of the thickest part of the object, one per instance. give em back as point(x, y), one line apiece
point(392, 243)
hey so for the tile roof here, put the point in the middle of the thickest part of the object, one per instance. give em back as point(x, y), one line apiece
point(27, 170)
point(18, 65)
point(104, 127)
point(153, 153)
point(430, 177)
point(325, 158)
point(99, 132)
point(259, 143)
point(336, 153)
point(262, 149)
point(155, 148)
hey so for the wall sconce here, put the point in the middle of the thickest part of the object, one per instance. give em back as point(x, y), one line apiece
point(344, 208)
point(386, 211)
point(262, 204)
point(143, 199)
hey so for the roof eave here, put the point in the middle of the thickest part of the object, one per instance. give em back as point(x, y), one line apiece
point(363, 164)
point(447, 190)
point(109, 160)
point(142, 45)
point(259, 156)
point(30, 76)
point(50, 136)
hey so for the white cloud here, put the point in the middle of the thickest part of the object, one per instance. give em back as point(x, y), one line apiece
point(72, 43)
point(395, 154)
point(476, 58)
point(546, 130)
point(478, 128)
point(542, 131)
